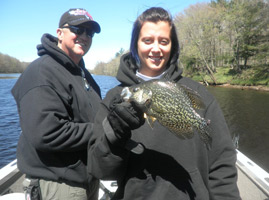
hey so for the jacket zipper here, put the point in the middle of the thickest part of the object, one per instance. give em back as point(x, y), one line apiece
point(86, 83)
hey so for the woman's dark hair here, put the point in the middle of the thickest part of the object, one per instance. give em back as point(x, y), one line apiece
point(154, 14)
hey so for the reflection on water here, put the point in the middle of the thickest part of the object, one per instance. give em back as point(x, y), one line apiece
point(247, 114)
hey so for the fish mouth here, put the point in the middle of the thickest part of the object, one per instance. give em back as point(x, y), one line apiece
point(138, 98)
point(140, 103)
point(126, 94)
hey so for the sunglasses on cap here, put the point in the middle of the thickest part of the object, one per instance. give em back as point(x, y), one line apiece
point(79, 30)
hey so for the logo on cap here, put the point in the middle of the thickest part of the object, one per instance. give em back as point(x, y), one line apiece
point(81, 12)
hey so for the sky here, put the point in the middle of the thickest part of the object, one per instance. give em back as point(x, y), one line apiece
point(23, 22)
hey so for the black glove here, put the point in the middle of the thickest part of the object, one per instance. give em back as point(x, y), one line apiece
point(124, 117)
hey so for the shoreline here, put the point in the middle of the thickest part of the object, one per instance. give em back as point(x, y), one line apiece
point(227, 85)
point(257, 87)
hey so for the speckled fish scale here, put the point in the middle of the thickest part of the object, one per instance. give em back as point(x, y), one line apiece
point(173, 105)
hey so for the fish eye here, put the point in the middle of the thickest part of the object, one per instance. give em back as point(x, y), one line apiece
point(135, 89)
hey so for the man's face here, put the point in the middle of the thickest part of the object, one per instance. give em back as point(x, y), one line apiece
point(74, 45)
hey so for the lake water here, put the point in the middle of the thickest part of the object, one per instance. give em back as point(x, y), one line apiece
point(247, 115)
point(246, 112)
point(9, 119)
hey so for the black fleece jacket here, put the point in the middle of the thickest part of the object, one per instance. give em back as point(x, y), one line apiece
point(169, 168)
point(56, 116)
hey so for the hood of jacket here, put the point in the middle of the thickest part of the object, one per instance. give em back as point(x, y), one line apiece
point(49, 46)
point(127, 70)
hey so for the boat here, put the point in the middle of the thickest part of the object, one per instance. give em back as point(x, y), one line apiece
point(11, 184)
point(253, 181)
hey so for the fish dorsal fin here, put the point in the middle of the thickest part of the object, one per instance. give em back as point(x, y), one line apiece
point(195, 98)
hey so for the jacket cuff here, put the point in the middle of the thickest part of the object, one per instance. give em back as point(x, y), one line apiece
point(109, 132)
point(130, 145)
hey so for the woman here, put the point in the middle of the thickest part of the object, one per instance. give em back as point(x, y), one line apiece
point(153, 163)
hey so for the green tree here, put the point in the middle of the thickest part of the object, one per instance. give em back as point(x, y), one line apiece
point(110, 68)
point(9, 64)
point(246, 24)
point(224, 36)
point(119, 53)
point(198, 32)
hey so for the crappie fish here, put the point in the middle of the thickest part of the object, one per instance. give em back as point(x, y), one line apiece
point(173, 105)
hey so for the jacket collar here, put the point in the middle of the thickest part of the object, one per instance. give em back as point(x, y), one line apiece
point(49, 45)
point(127, 71)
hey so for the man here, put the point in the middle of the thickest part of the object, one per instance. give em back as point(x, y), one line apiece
point(57, 99)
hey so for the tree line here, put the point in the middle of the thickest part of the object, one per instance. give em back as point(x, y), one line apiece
point(227, 37)
point(224, 41)
point(9, 64)
point(225, 34)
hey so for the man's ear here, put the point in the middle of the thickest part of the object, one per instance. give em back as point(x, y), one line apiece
point(60, 33)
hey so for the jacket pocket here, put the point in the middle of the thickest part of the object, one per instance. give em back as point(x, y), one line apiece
point(158, 188)
point(77, 173)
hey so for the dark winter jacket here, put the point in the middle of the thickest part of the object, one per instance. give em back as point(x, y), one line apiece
point(56, 116)
point(169, 168)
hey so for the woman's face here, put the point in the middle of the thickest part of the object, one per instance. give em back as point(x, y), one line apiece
point(154, 47)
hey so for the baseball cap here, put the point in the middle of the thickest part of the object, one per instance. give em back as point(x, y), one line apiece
point(77, 16)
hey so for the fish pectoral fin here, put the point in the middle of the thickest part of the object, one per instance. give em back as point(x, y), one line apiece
point(150, 120)
point(158, 109)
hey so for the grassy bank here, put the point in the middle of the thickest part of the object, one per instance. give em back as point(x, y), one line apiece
point(226, 76)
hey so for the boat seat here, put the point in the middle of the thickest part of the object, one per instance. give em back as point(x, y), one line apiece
point(13, 196)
